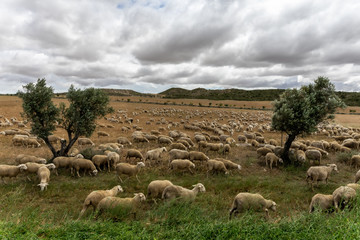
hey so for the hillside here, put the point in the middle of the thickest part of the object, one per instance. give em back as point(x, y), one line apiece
point(350, 98)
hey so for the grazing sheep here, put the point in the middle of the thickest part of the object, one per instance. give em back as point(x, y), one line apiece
point(229, 164)
point(156, 188)
point(177, 146)
point(262, 151)
point(113, 158)
point(109, 203)
point(164, 140)
point(140, 139)
point(324, 202)
point(44, 176)
point(242, 139)
point(357, 176)
point(199, 138)
point(320, 173)
point(198, 156)
point(74, 152)
point(255, 143)
point(273, 142)
point(102, 134)
point(202, 145)
point(95, 197)
point(323, 152)
point(133, 153)
point(216, 166)
point(300, 156)
point(182, 164)
point(34, 167)
point(175, 191)
point(351, 143)
point(154, 154)
point(31, 142)
point(99, 160)
point(185, 143)
point(343, 196)
point(213, 146)
point(355, 160)
point(11, 171)
point(270, 158)
point(178, 154)
point(22, 158)
point(192, 144)
point(313, 154)
point(124, 141)
point(63, 162)
point(246, 201)
point(87, 165)
point(354, 186)
point(84, 142)
point(226, 149)
point(54, 139)
point(128, 169)
point(18, 140)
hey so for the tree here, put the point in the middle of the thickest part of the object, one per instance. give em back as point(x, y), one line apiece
point(78, 119)
point(299, 111)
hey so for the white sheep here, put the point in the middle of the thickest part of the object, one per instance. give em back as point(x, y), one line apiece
point(313, 154)
point(177, 145)
point(175, 191)
point(182, 164)
point(63, 162)
point(354, 186)
point(343, 196)
point(11, 171)
point(357, 176)
point(319, 173)
point(154, 154)
point(109, 203)
point(31, 142)
point(134, 153)
point(178, 154)
point(85, 164)
point(355, 160)
point(113, 158)
point(324, 202)
point(128, 169)
point(100, 160)
point(156, 188)
point(270, 158)
point(44, 177)
point(229, 164)
point(198, 156)
point(300, 156)
point(254, 201)
point(85, 141)
point(102, 134)
point(95, 197)
point(216, 166)
point(22, 158)
point(34, 167)
point(124, 141)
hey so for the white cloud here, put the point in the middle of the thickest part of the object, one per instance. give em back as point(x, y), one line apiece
point(150, 45)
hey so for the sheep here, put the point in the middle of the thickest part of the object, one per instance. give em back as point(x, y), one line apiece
point(156, 188)
point(108, 203)
point(113, 158)
point(214, 146)
point(262, 151)
point(229, 164)
point(11, 171)
point(350, 143)
point(18, 140)
point(202, 144)
point(226, 149)
point(181, 164)
point(216, 166)
point(85, 141)
point(175, 191)
point(199, 138)
point(95, 197)
point(140, 139)
point(34, 167)
point(74, 152)
point(124, 141)
point(270, 158)
point(357, 176)
point(128, 169)
point(178, 154)
point(44, 176)
point(343, 196)
point(323, 152)
point(192, 144)
point(324, 202)
point(54, 139)
point(87, 165)
point(136, 154)
point(154, 154)
point(313, 154)
point(99, 160)
point(246, 201)
point(273, 142)
point(255, 143)
point(102, 134)
point(185, 143)
point(22, 158)
point(177, 146)
point(164, 140)
point(355, 160)
point(63, 162)
point(320, 173)
point(31, 142)
point(300, 156)
point(198, 156)
point(242, 139)
point(354, 186)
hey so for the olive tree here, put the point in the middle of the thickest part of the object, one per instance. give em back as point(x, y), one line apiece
point(78, 118)
point(299, 111)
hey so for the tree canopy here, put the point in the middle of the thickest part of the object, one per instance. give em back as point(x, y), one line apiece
point(299, 111)
point(78, 119)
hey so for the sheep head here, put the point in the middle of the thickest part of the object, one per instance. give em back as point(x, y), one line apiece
point(95, 172)
point(239, 167)
point(333, 167)
point(42, 160)
point(273, 206)
point(140, 196)
point(200, 186)
point(280, 160)
point(140, 164)
point(119, 188)
point(43, 186)
point(22, 167)
point(50, 166)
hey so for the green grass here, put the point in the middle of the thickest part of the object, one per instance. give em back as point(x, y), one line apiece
point(27, 213)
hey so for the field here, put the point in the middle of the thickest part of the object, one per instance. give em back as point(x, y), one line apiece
point(27, 213)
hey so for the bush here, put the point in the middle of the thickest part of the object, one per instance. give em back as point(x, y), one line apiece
point(88, 153)
point(345, 157)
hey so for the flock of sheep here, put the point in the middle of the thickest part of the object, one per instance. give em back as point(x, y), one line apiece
point(184, 146)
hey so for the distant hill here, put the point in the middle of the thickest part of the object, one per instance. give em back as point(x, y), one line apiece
point(350, 98)
point(126, 92)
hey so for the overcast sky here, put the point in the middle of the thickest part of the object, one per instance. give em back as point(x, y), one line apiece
point(152, 45)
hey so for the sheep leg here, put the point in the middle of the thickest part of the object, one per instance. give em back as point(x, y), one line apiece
point(108, 166)
point(232, 211)
point(120, 178)
point(77, 171)
point(83, 211)
point(137, 178)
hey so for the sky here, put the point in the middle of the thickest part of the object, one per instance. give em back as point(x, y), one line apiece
point(152, 45)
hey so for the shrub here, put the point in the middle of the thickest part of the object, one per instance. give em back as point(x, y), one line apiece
point(345, 157)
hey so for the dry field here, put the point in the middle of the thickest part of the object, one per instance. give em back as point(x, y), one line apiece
point(254, 176)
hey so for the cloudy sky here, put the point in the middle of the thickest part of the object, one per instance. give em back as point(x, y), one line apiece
point(152, 45)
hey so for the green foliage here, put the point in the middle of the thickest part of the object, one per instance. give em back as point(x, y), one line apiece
point(345, 157)
point(39, 108)
point(78, 119)
point(88, 153)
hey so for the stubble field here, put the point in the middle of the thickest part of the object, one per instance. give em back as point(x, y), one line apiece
point(26, 212)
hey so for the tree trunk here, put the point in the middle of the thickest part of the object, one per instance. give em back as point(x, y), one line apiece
point(285, 154)
point(52, 149)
